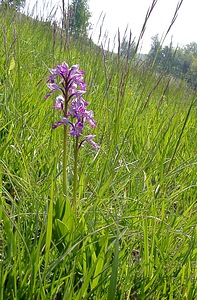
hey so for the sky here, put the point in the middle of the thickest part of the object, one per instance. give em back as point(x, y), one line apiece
point(114, 15)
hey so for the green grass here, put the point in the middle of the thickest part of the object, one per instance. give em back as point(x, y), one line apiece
point(135, 234)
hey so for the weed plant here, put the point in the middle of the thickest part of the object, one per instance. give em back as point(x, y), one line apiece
point(135, 235)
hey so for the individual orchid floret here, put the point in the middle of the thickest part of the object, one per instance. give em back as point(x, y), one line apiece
point(89, 139)
point(77, 129)
point(88, 116)
point(59, 103)
point(57, 124)
point(54, 87)
point(64, 121)
point(77, 79)
point(76, 93)
point(77, 108)
point(63, 69)
point(75, 70)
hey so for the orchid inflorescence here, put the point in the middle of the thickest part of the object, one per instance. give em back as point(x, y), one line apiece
point(69, 81)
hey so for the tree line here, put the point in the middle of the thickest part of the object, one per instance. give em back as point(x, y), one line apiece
point(179, 62)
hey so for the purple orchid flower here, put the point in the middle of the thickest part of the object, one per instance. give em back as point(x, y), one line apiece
point(69, 81)
point(77, 129)
point(59, 103)
point(89, 139)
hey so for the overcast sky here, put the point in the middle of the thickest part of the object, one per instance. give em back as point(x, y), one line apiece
point(131, 13)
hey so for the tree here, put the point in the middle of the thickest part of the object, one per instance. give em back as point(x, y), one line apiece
point(78, 16)
point(127, 48)
point(162, 58)
point(191, 49)
point(192, 74)
point(179, 62)
point(16, 4)
point(154, 55)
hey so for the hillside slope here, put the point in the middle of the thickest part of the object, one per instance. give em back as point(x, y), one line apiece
point(135, 229)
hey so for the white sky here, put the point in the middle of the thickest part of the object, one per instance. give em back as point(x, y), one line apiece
point(131, 13)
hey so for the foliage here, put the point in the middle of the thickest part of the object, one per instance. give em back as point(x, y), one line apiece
point(16, 4)
point(134, 236)
point(179, 62)
point(127, 48)
point(78, 16)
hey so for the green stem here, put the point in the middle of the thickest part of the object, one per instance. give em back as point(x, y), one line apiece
point(75, 173)
point(65, 160)
point(65, 150)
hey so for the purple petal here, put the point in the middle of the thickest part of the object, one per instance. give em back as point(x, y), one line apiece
point(91, 122)
point(78, 93)
point(76, 129)
point(77, 108)
point(89, 139)
point(48, 95)
point(73, 69)
point(63, 69)
point(59, 103)
point(88, 117)
point(54, 126)
point(65, 121)
point(54, 72)
point(54, 87)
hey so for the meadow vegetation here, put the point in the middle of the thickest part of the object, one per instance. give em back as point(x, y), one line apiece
point(135, 234)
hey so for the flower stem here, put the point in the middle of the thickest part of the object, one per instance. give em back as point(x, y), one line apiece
point(65, 150)
point(75, 174)
point(65, 160)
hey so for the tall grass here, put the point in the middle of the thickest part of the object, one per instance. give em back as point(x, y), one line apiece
point(135, 235)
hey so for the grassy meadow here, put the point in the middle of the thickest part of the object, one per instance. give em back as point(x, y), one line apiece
point(135, 233)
